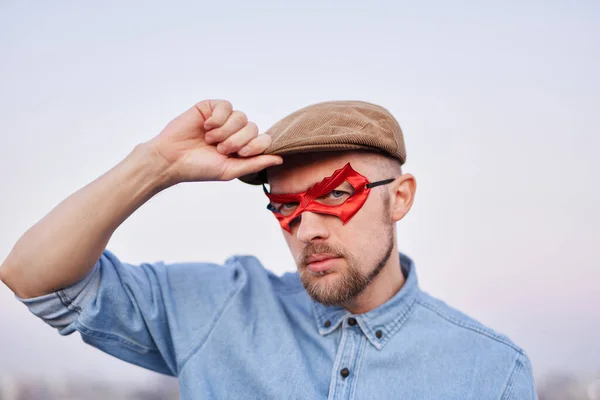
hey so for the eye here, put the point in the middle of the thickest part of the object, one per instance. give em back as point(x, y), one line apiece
point(288, 206)
point(336, 194)
point(284, 209)
point(334, 198)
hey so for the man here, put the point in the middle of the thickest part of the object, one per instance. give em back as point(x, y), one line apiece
point(352, 323)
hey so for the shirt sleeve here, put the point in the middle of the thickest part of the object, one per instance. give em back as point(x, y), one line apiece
point(137, 313)
point(521, 384)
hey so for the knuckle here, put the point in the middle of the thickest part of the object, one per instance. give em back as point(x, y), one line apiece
point(262, 142)
point(248, 149)
point(213, 135)
point(227, 104)
point(267, 139)
point(233, 147)
point(234, 144)
point(203, 104)
point(223, 148)
point(239, 117)
point(253, 128)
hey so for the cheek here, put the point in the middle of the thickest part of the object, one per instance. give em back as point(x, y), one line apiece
point(364, 233)
point(369, 218)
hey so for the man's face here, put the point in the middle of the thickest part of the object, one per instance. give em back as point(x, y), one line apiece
point(337, 261)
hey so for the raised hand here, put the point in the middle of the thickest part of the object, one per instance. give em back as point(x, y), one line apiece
point(212, 142)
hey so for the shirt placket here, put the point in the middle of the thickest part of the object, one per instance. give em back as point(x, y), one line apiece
point(347, 362)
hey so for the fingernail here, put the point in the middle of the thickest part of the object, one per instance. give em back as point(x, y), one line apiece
point(243, 152)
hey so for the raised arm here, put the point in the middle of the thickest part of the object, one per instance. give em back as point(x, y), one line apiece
point(208, 142)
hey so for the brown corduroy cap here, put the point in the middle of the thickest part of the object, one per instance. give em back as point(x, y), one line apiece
point(334, 126)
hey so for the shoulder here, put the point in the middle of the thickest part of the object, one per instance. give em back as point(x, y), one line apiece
point(459, 323)
point(493, 358)
point(257, 274)
point(238, 274)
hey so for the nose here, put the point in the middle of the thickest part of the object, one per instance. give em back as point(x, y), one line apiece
point(311, 226)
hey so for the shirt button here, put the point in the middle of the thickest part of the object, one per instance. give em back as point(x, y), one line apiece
point(351, 321)
point(345, 372)
point(379, 334)
point(327, 324)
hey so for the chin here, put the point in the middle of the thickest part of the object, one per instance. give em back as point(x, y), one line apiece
point(327, 283)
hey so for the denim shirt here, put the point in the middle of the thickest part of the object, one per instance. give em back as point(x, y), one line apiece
point(238, 331)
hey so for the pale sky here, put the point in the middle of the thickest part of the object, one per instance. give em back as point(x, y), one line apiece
point(498, 104)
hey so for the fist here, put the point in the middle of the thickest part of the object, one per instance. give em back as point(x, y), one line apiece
point(212, 142)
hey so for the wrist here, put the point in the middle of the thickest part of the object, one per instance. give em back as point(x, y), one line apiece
point(153, 167)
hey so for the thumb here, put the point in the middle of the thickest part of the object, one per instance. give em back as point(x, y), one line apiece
point(242, 166)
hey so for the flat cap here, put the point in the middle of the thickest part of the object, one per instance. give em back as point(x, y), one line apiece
point(334, 126)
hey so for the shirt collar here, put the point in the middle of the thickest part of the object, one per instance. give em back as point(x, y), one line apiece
point(381, 323)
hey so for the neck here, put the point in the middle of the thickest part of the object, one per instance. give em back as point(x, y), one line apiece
point(383, 287)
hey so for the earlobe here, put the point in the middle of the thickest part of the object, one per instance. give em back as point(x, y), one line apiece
point(403, 196)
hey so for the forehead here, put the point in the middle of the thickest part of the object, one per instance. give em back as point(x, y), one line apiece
point(301, 171)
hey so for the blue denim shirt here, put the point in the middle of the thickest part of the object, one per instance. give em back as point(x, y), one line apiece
point(237, 331)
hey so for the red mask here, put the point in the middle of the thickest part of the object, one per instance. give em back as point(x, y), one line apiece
point(342, 195)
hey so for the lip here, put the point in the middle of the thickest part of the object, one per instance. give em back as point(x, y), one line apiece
point(320, 257)
point(321, 262)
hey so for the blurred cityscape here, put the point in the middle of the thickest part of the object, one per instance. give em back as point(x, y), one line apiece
point(565, 386)
point(557, 386)
point(21, 388)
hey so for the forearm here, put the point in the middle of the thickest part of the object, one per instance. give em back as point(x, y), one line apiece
point(64, 246)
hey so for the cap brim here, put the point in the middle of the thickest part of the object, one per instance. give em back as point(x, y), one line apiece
point(258, 178)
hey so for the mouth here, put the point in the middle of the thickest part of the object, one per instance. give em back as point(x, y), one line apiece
point(319, 264)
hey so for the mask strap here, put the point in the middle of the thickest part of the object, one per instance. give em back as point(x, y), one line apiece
point(269, 206)
point(379, 183)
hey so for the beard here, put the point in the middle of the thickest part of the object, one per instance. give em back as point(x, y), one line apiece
point(350, 281)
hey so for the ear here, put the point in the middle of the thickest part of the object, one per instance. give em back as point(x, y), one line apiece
point(402, 196)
